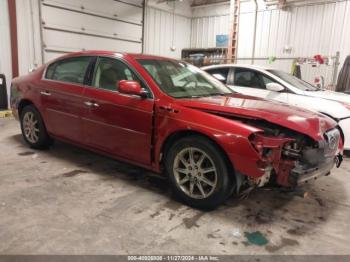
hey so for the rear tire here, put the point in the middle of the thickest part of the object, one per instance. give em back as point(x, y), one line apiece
point(33, 128)
point(198, 172)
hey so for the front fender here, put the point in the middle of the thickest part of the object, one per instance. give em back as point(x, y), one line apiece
point(231, 136)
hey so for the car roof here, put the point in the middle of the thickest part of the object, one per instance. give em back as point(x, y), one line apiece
point(112, 53)
point(257, 67)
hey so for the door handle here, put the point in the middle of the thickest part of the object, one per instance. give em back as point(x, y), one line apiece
point(45, 93)
point(169, 109)
point(91, 103)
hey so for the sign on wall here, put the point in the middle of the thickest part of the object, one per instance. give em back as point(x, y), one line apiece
point(221, 40)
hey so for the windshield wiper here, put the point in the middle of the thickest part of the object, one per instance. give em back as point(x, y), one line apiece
point(194, 96)
point(218, 94)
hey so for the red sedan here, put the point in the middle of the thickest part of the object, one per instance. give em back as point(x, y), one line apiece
point(171, 117)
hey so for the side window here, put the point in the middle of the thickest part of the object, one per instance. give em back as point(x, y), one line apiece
point(267, 80)
point(50, 70)
point(220, 74)
point(109, 72)
point(248, 78)
point(71, 70)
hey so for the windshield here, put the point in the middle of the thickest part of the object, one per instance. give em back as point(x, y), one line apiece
point(181, 80)
point(294, 81)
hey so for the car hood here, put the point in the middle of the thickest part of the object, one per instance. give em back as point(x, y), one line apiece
point(303, 121)
point(330, 95)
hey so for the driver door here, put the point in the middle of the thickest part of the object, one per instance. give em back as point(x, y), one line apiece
point(251, 82)
point(117, 123)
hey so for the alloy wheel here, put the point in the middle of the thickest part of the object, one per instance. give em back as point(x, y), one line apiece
point(31, 127)
point(195, 173)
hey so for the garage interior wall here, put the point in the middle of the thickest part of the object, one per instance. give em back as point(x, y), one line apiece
point(313, 27)
point(5, 43)
point(77, 25)
point(310, 28)
point(74, 25)
point(63, 26)
point(167, 25)
point(28, 35)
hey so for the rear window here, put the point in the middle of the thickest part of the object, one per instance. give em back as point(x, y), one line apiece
point(71, 70)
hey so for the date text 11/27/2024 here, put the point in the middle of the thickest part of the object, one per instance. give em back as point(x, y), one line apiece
point(173, 258)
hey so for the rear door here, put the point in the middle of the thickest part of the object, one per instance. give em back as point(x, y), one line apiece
point(61, 92)
point(251, 82)
point(117, 123)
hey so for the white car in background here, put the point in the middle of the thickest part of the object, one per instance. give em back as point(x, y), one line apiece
point(277, 85)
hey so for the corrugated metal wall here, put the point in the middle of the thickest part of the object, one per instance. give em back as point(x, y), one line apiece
point(205, 29)
point(163, 30)
point(5, 43)
point(321, 28)
point(207, 22)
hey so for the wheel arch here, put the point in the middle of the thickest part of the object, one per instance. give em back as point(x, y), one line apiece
point(22, 104)
point(172, 138)
point(342, 134)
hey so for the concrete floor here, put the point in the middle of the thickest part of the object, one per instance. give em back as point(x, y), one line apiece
point(69, 201)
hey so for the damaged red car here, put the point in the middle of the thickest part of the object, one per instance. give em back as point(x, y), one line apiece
point(172, 118)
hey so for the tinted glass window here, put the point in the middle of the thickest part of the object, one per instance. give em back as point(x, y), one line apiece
point(109, 72)
point(248, 78)
point(50, 70)
point(267, 80)
point(294, 81)
point(181, 80)
point(220, 74)
point(70, 70)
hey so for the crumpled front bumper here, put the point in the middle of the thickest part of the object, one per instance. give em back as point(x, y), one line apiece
point(299, 175)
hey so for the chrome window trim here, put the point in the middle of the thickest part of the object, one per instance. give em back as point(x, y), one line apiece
point(43, 77)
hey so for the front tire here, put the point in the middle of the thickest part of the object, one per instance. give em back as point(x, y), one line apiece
point(33, 128)
point(198, 172)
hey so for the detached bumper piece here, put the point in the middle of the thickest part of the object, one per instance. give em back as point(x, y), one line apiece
point(299, 175)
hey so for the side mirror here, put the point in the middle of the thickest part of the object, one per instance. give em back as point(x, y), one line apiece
point(131, 87)
point(274, 87)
